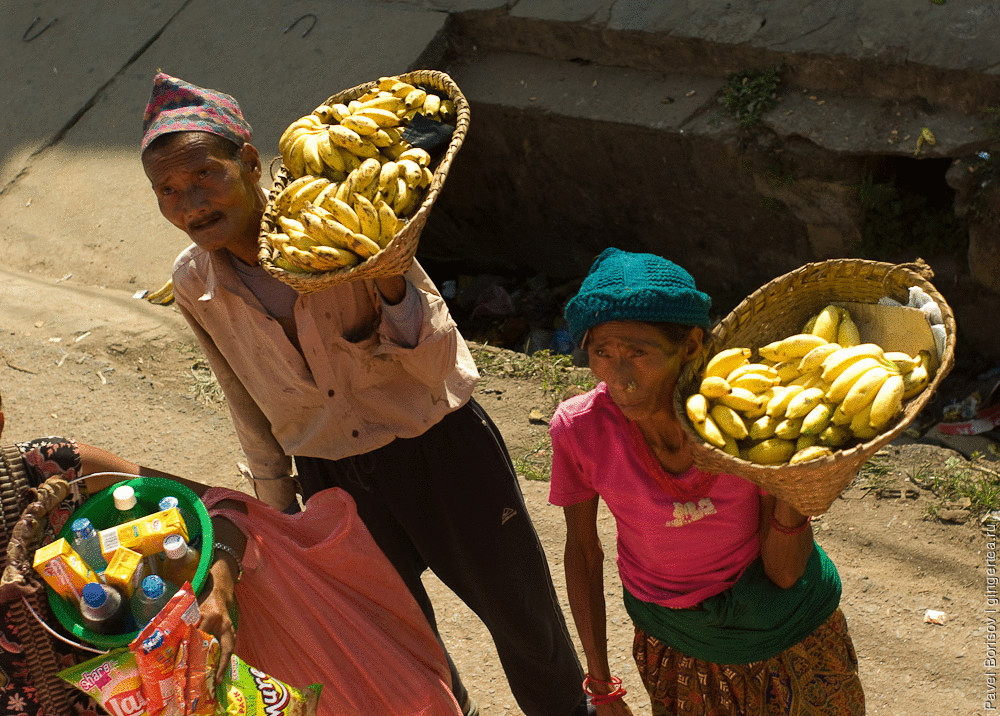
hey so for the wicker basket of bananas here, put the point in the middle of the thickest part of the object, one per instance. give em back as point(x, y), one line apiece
point(352, 194)
point(814, 372)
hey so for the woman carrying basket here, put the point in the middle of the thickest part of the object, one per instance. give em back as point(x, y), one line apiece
point(735, 606)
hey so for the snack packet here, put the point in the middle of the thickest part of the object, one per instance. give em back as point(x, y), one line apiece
point(203, 658)
point(156, 648)
point(112, 680)
point(246, 691)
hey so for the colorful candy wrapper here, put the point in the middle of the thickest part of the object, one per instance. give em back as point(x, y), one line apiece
point(112, 680)
point(246, 691)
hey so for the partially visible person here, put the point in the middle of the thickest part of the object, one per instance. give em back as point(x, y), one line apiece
point(43, 458)
point(367, 386)
point(395, 625)
point(734, 606)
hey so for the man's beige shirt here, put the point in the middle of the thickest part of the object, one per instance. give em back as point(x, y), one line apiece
point(349, 390)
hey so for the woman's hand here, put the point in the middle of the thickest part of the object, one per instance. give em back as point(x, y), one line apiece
point(786, 541)
point(215, 613)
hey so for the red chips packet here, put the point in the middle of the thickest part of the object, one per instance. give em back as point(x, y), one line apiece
point(176, 660)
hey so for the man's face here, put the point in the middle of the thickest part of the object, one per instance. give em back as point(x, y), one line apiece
point(206, 193)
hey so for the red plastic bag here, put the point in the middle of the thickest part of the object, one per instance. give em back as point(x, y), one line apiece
point(319, 602)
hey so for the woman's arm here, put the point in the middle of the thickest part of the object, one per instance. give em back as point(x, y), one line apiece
point(786, 541)
point(95, 459)
point(584, 564)
point(219, 602)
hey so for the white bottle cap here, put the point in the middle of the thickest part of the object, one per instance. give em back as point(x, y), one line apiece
point(174, 546)
point(124, 497)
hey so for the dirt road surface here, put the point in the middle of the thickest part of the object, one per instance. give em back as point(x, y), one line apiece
point(109, 369)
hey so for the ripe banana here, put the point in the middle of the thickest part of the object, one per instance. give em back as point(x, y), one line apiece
point(817, 419)
point(864, 389)
point(714, 386)
point(725, 362)
point(729, 421)
point(788, 429)
point(813, 452)
point(710, 432)
point(834, 436)
point(387, 223)
point(838, 361)
point(844, 381)
point(739, 399)
point(827, 323)
point(803, 402)
point(915, 381)
point(796, 346)
point(888, 402)
point(367, 217)
point(696, 407)
point(779, 403)
point(847, 332)
point(772, 451)
point(814, 358)
point(164, 295)
point(320, 224)
point(763, 427)
point(904, 362)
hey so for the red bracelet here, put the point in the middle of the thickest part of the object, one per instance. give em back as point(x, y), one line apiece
point(599, 699)
point(777, 526)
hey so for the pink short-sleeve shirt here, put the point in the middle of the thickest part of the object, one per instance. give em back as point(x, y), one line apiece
point(675, 548)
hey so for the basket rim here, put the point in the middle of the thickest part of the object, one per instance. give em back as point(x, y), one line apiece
point(404, 244)
point(839, 467)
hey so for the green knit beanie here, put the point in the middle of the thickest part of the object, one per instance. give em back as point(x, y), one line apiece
point(625, 286)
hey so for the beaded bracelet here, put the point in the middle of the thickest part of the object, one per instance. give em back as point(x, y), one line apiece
point(599, 699)
point(232, 553)
point(791, 531)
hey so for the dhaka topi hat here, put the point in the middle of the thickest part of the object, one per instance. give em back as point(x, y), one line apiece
point(179, 106)
point(625, 286)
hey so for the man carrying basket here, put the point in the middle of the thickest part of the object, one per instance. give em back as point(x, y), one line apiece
point(368, 385)
point(735, 607)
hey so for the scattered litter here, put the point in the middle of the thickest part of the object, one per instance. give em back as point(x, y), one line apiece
point(926, 137)
point(933, 616)
point(537, 417)
point(81, 337)
point(60, 280)
point(141, 293)
point(55, 339)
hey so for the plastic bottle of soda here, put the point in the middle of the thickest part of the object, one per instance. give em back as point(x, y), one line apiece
point(150, 599)
point(180, 562)
point(126, 504)
point(88, 545)
point(103, 610)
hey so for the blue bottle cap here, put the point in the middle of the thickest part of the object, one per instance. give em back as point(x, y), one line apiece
point(152, 586)
point(168, 502)
point(82, 527)
point(94, 595)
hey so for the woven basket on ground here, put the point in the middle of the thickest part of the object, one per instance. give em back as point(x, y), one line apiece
point(395, 258)
point(43, 664)
point(779, 309)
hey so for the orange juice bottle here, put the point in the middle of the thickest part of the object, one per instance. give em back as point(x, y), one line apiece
point(180, 560)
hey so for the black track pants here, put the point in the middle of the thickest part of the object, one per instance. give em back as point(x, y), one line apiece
point(449, 500)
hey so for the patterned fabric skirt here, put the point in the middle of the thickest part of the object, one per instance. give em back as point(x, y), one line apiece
point(818, 676)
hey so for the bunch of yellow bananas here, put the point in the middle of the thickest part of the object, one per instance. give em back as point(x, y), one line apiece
point(805, 395)
point(356, 180)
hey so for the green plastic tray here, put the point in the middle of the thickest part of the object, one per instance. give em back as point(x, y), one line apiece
point(100, 510)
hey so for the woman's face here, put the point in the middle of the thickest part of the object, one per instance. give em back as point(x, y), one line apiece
point(640, 364)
